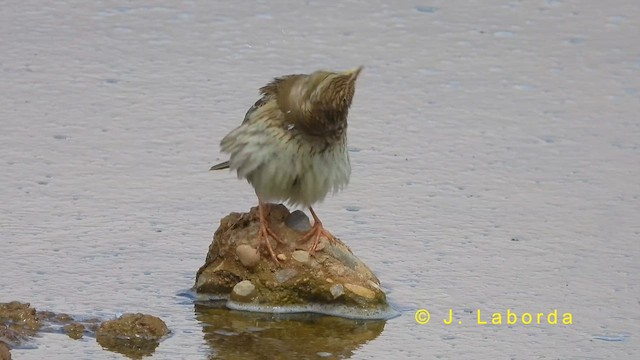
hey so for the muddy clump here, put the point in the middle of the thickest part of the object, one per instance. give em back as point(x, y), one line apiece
point(134, 335)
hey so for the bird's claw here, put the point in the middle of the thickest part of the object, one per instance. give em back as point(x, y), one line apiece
point(316, 233)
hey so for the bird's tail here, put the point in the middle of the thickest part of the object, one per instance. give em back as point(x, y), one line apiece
point(223, 165)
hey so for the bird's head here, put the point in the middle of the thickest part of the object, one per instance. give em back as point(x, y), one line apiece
point(333, 90)
point(319, 103)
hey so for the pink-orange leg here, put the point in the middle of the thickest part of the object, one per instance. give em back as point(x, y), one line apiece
point(316, 232)
point(264, 232)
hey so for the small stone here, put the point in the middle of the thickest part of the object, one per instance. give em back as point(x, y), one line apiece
point(248, 256)
point(243, 290)
point(361, 291)
point(300, 256)
point(298, 221)
point(336, 290)
point(285, 274)
point(282, 257)
point(74, 330)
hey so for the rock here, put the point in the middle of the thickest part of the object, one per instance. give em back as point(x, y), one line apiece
point(12, 338)
point(56, 318)
point(248, 256)
point(74, 330)
point(296, 283)
point(18, 322)
point(20, 317)
point(5, 353)
point(137, 325)
point(134, 335)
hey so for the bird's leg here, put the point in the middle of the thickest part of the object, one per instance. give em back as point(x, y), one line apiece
point(264, 232)
point(316, 232)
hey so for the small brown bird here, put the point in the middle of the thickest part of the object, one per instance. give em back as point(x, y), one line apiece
point(292, 145)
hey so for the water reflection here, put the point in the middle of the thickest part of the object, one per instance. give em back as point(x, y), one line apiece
point(133, 348)
point(244, 335)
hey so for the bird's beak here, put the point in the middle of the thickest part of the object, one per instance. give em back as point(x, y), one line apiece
point(353, 73)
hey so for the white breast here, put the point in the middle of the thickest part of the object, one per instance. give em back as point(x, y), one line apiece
point(302, 176)
point(286, 168)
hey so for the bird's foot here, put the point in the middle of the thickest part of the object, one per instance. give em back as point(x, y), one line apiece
point(265, 232)
point(316, 233)
point(263, 239)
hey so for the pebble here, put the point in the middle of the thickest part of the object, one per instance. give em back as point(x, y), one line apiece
point(243, 290)
point(337, 290)
point(248, 256)
point(300, 256)
point(298, 221)
point(360, 291)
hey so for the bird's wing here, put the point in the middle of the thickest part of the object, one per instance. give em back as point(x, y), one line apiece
point(270, 91)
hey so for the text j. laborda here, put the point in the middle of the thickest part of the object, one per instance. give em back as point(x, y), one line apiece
point(508, 317)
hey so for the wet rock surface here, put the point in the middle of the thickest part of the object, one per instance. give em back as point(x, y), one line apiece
point(134, 335)
point(331, 281)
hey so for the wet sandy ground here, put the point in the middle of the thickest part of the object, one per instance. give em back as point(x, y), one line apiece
point(495, 151)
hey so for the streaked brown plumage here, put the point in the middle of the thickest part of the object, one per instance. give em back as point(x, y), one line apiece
point(292, 144)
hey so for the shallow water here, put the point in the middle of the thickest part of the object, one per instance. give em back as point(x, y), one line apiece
point(495, 151)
